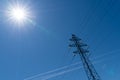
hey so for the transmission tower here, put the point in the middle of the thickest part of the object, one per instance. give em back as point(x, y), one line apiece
point(82, 51)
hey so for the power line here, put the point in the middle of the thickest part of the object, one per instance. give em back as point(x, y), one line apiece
point(96, 59)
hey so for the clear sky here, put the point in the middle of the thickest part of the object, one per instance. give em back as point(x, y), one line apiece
point(42, 45)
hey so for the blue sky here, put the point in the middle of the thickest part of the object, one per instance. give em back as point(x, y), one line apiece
point(42, 46)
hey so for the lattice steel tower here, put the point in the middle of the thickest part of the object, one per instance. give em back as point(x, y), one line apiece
point(82, 51)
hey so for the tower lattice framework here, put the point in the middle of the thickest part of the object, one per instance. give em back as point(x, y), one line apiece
point(83, 52)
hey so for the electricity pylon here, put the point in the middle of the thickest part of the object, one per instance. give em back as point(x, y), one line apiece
point(82, 51)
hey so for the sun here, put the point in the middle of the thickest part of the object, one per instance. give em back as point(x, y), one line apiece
point(18, 13)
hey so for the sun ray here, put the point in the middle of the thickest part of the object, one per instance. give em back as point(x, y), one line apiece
point(18, 13)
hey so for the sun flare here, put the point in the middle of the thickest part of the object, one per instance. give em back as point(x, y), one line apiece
point(18, 13)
